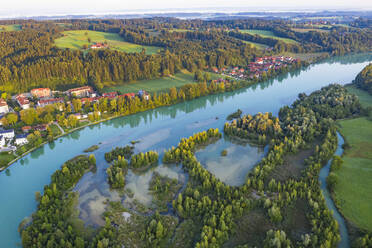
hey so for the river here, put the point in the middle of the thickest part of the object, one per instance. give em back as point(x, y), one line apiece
point(157, 130)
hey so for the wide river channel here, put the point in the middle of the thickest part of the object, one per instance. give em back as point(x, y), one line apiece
point(157, 130)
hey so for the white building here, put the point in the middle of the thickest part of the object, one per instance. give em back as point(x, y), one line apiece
point(21, 140)
point(7, 134)
point(3, 107)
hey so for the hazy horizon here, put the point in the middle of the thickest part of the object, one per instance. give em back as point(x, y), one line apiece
point(26, 8)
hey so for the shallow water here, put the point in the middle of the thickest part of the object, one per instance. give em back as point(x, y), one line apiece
point(233, 168)
point(157, 130)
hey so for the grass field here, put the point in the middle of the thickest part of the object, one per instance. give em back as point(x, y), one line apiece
point(256, 45)
point(267, 34)
point(78, 38)
point(10, 28)
point(156, 85)
point(353, 192)
point(305, 30)
point(5, 158)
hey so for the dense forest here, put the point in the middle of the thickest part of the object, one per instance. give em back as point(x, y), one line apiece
point(29, 58)
point(364, 79)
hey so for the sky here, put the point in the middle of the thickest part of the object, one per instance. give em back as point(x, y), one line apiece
point(48, 7)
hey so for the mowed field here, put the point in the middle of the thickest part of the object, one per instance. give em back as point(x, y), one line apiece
point(305, 30)
point(76, 39)
point(14, 27)
point(353, 192)
point(267, 34)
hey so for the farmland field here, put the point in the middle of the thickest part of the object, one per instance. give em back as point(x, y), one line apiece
point(353, 192)
point(78, 38)
point(267, 34)
point(10, 27)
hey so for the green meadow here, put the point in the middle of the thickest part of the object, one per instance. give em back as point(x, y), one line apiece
point(267, 34)
point(256, 45)
point(353, 192)
point(13, 27)
point(78, 38)
point(155, 85)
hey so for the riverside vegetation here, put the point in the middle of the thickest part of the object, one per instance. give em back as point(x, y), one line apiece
point(208, 213)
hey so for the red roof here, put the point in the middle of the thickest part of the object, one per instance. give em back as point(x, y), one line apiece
point(110, 94)
point(3, 103)
point(50, 101)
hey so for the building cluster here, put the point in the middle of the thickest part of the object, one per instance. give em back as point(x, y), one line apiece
point(8, 137)
point(257, 68)
point(41, 97)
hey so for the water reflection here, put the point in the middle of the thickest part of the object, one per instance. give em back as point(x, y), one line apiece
point(233, 168)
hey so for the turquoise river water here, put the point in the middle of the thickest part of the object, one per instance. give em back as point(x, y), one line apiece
point(157, 130)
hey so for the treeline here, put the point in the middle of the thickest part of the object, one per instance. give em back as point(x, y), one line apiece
point(30, 59)
point(126, 151)
point(364, 79)
point(142, 160)
point(50, 226)
point(260, 128)
point(116, 173)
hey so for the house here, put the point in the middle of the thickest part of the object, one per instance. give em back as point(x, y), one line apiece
point(215, 70)
point(78, 116)
point(41, 127)
point(26, 129)
point(3, 106)
point(128, 95)
point(21, 140)
point(98, 45)
point(7, 134)
point(23, 101)
point(84, 91)
point(45, 102)
point(110, 95)
point(144, 94)
point(41, 92)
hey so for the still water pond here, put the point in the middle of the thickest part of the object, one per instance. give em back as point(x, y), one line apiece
point(157, 130)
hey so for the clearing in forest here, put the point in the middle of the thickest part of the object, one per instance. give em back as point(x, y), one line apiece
point(76, 39)
point(13, 27)
point(268, 34)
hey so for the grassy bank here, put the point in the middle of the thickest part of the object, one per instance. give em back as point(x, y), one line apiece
point(78, 38)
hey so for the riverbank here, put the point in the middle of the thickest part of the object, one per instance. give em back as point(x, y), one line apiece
point(240, 85)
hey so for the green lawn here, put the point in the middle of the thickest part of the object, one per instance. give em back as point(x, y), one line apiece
point(77, 38)
point(267, 34)
point(353, 191)
point(5, 158)
point(14, 27)
point(154, 85)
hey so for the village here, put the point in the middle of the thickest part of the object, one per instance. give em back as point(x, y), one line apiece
point(11, 139)
point(257, 68)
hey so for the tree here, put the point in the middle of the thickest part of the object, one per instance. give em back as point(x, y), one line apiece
point(12, 118)
point(29, 116)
